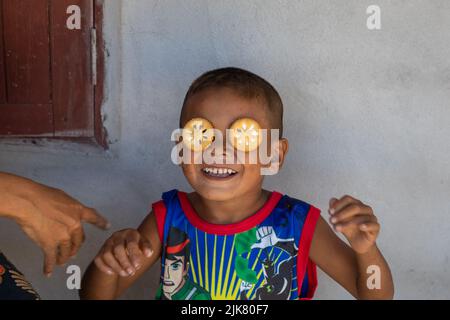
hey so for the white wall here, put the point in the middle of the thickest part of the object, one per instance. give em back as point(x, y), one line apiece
point(367, 113)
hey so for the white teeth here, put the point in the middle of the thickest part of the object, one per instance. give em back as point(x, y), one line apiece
point(219, 171)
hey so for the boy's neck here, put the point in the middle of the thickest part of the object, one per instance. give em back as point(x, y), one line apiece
point(229, 211)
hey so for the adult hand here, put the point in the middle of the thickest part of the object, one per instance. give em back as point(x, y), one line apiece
point(50, 217)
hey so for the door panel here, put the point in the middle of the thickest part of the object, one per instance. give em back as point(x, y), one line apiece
point(71, 65)
point(34, 120)
point(26, 40)
point(2, 63)
point(45, 80)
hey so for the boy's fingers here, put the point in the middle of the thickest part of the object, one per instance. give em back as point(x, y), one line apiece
point(102, 266)
point(355, 221)
point(146, 247)
point(135, 254)
point(111, 262)
point(331, 203)
point(91, 216)
point(349, 211)
point(371, 228)
point(49, 261)
point(341, 203)
point(133, 240)
point(122, 256)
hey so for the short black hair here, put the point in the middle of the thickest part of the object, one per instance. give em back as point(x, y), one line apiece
point(246, 84)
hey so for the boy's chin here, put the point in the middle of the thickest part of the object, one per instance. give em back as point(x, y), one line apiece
point(216, 194)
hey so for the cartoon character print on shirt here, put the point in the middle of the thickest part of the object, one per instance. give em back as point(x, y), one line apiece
point(277, 274)
point(175, 283)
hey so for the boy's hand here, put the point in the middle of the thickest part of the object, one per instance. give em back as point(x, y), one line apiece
point(356, 221)
point(123, 252)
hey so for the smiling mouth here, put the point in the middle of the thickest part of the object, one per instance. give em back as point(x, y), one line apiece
point(220, 173)
point(168, 283)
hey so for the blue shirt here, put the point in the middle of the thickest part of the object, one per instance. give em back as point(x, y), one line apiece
point(265, 256)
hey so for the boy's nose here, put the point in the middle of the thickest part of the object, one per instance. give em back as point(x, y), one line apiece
point(224, 150)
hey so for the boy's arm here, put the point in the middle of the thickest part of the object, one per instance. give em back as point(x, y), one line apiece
point(348, 265)
point(121, 261)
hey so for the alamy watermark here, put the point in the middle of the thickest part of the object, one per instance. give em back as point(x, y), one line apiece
point(374, 280)
point(217, 152)
point(374, 20)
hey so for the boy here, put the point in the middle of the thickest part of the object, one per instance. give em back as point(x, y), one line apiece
point(231, 239)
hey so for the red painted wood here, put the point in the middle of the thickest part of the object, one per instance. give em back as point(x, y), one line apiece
point(26, 40)
point(26, 120)
point(100, 132)
point(45, 70)
point(2, 63)
point(73, 91)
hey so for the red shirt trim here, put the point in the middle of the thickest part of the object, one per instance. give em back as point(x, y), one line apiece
point(306, 266)
point(232, 228)
point(160, 211)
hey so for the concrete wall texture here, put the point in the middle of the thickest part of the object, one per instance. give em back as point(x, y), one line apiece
point(367, 114)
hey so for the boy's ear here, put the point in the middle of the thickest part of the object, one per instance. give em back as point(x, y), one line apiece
point(283, 148)
point(279, 152)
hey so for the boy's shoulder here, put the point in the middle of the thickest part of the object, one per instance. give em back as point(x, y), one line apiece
point(293, 204)
point(165, 198)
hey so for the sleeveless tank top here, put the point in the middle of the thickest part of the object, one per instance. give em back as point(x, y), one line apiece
point(265, 256)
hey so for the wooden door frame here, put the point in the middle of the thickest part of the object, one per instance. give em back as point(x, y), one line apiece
point(99, 137)
point(100, 133)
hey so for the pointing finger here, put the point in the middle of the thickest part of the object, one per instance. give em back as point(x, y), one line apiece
point(93, 217)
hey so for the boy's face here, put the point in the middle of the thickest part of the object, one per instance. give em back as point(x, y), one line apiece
point(221, 107)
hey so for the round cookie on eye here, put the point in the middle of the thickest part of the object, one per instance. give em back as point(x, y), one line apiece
point(244, 134)
point(197, 134)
